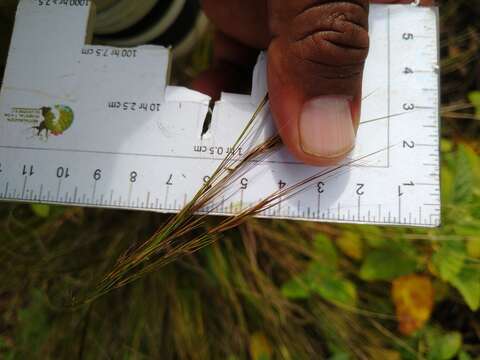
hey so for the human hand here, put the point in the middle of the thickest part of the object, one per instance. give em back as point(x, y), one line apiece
point(316, 55)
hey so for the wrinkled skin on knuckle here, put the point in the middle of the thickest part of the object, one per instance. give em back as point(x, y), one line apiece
point(335, 79)
point(283, 11)
point(328, 40)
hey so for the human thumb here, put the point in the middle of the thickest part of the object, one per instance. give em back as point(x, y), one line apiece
point(315, 68)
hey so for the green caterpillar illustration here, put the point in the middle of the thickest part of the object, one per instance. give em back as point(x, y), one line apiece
point(55, 125)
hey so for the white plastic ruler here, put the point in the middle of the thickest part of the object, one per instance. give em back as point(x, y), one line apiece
point(98, 126)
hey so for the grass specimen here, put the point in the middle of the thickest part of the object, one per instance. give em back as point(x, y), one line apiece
point(180, 235)
point(168, 242)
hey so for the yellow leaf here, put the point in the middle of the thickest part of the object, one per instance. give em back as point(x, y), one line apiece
point(351, 245)
point(413, 297)
point(473, 247)
point(260, 348)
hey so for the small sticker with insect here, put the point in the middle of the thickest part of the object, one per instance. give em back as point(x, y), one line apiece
point(45, 121)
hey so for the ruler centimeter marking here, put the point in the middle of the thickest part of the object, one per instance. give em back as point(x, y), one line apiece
point(399, 186)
